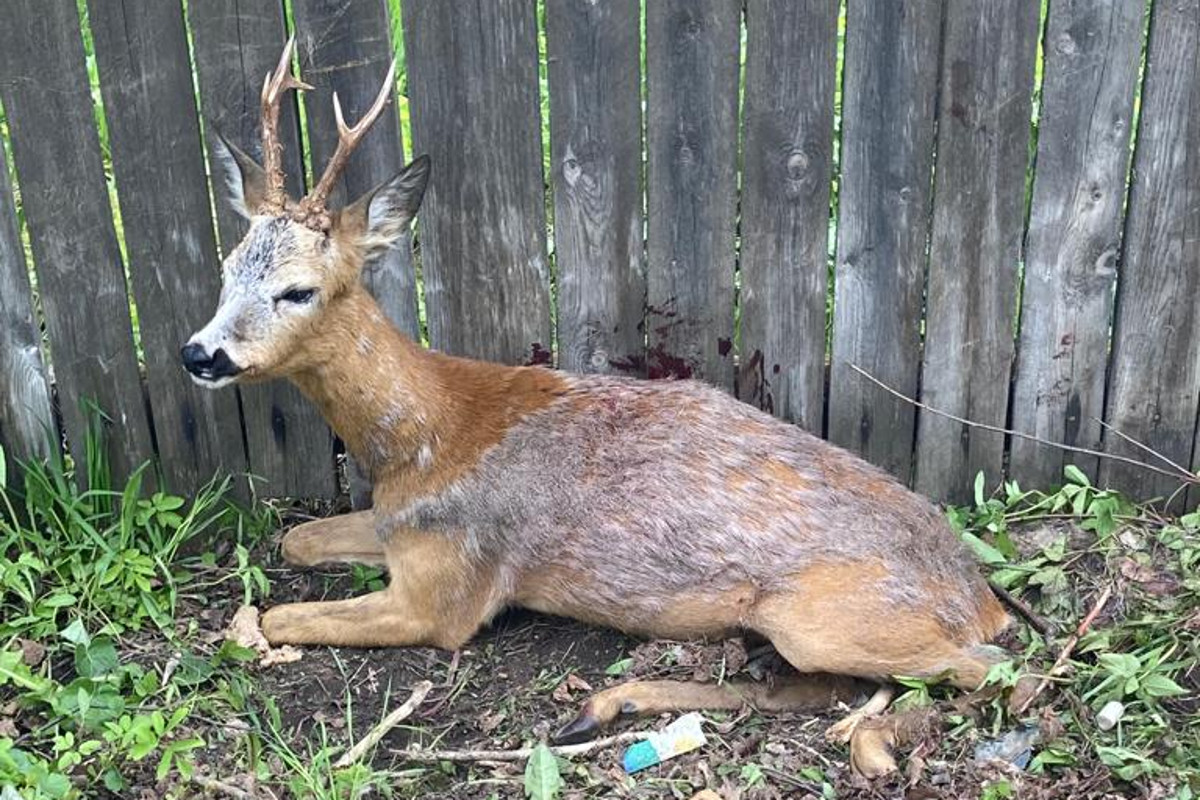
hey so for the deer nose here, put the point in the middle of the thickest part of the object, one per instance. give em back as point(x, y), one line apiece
point(197, 361)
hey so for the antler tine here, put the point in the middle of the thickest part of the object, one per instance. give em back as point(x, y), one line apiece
point(313, 205)
point(274, 86)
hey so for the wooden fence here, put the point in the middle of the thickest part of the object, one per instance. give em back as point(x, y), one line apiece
point(989, 208)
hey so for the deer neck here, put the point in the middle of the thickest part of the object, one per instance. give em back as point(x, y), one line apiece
point(375, 387)
point(416, 419)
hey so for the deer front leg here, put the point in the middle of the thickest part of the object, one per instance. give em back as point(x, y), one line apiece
point(435, 598)
point(348, 538)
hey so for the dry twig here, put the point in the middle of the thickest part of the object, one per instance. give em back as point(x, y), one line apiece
point(1178, 473)
point(227, 789)
point(1068, 648)
point(522, 754)
point(1040, 624)
point(393, 719)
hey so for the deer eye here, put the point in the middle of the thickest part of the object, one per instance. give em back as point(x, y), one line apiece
point(296, 296)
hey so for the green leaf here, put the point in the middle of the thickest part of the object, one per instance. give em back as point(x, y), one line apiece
point(1124, 665)
point(75, 633)
point(1075, 475)
point(167, 502)
point(1156, 685)
point(619, 667)
point(979, 488)
point(983, 551)
point(96, 659)
point(542, 778)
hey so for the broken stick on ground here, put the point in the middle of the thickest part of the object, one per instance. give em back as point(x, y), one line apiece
point(522, 754)
point(393, 719)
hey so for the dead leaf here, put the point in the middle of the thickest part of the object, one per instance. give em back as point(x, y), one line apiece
point(280, 655)
point(8, 728)
point(244, 629)
point(32, 653)
point(489, 722)
point(735, 654)
point(572, 683)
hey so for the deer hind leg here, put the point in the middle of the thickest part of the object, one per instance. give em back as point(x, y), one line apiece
point(435, 598)
point(796, 693)
point(823, 626)
point(348, 538)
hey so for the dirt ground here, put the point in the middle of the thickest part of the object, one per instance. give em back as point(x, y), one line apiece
point(527, 674)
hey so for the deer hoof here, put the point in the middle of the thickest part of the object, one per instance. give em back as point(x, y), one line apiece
point(583, 728)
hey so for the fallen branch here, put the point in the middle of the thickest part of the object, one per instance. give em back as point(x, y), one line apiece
point(227, 789)
point(1039, 623)
point(393, 719)
point(522, 754)
point(1178, 473)
point(1068, 648)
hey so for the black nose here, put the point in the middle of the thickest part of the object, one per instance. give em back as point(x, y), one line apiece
point(197, 361)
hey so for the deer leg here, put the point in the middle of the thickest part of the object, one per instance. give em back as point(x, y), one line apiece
point(435, 597)
point(797, 693)
point(345, 538)
point(859, 633)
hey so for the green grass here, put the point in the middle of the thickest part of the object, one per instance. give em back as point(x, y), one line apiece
point(83, 571)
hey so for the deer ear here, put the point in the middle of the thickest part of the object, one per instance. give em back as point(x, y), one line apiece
point(381, 216)
point(246, 180)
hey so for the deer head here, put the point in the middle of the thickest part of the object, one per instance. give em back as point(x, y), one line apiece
point(298, 257)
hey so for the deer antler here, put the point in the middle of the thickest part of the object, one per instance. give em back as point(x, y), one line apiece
point(312, 211)
point(274, 86)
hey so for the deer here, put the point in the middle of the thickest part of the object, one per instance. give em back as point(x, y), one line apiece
point(659, 508)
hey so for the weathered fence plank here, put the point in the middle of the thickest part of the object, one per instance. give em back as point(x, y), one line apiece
point(787, 163)
point(1155, 372)
point(57, 155)
point(988, 53)
point(889, 90)
point(237, 42)
point(596, 153)
point(691, 132)
point(344, 47)
point(158, 163)
point(473, 89)
point(1093, 49)
point(27, 428)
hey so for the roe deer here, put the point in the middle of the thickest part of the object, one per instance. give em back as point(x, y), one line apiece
point(666, 509)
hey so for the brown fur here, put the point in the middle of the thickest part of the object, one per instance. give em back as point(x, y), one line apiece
point(666, 509)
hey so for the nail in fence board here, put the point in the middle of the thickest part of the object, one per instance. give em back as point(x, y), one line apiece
point(158, 163)
point(1093, 49)
point(80, 275)
point(988, 53)
point(596, 158)
point(27, 428)
point(237, 42)
point(473, 88)
point(344, 46)
point(692, 89)
point(1155, 372)
point(889, 90)
point(787, 161)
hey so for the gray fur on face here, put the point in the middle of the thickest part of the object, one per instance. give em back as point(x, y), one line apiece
point(644, 491)
point(245, 315)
